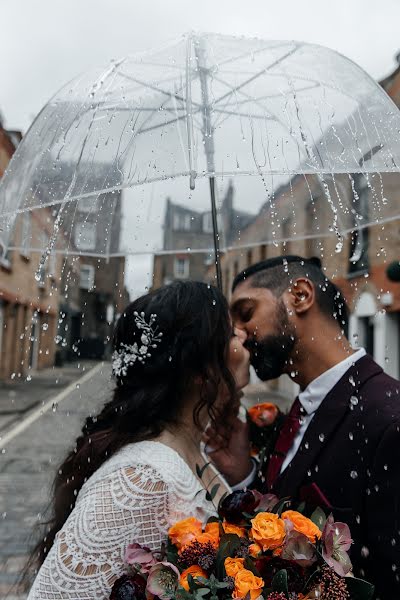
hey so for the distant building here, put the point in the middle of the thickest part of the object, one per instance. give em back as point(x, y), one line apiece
point(94, 229)
point(28, 305)
point(359, 269)
point(187, 230)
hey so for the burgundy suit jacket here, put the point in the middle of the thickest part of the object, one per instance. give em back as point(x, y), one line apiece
point(349, 462)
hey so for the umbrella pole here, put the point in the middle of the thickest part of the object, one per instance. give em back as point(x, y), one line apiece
point(215, 234)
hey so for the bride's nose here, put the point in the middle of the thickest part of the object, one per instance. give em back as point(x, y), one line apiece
point(240, 334)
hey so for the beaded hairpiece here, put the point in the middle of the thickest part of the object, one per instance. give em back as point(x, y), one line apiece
point(128, 354)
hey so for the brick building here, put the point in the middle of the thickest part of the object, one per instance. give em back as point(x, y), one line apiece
point(185, 228)
point(359, 269)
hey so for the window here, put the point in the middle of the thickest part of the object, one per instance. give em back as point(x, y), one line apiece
point(86, 277)
point(207, 223)
point(26, 234)
point(41, 276)
point(85, 236)
point(181, 268)
point(52, 263)
point(249, 258)
point(182, 222)
point(358, 259)
point(263, 252)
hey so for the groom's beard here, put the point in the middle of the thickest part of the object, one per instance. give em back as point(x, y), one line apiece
point(270, 356)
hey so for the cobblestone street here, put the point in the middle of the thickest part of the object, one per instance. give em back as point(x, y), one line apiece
point(28, 461)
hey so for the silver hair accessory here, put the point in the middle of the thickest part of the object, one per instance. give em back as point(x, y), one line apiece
point(128, 354)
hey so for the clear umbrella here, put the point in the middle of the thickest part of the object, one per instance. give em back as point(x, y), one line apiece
point(193, 121)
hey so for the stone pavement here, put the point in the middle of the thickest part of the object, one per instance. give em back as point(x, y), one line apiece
point(29, 460)
point(20, 396)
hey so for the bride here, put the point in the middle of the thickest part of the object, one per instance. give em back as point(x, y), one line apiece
point(132, 473)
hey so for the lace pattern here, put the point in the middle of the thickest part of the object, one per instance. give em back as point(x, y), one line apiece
point(133, 497)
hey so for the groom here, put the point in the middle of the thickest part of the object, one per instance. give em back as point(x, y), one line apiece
point(340, 445)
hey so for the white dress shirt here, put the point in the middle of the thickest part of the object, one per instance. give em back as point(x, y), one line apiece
point(312, 397)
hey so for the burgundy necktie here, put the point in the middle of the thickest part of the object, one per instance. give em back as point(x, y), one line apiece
point(284, 442)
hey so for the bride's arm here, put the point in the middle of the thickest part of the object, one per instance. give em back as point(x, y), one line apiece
point(128, 505)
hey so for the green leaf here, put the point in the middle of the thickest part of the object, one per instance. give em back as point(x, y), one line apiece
point(301, 507)
point(228, 545)
point(280, 583)
point(319, 518)
point(280, 506)
point(211, 494)
point(250, 566)
point(359, 589)
point(200, 593)
point(200, 470)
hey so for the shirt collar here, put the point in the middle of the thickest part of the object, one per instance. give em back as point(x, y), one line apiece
point(315, 392)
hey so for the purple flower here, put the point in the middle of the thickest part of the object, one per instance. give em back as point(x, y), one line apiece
point(299, 549)
point(265, 502)
point(163, 580)
point(336, 540)
point(139, 557)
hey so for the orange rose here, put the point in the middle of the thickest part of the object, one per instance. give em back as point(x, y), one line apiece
point(230, 528)
point(185, 531)
point(233, 566)
point(247, 583)
point(263, 414)
point(255, 550)
point(302, 524)
point(212, 528)
point(195, 571)
point(268, 530)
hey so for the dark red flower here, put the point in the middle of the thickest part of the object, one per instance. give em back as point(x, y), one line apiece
point(129, 587)
point(233, 506)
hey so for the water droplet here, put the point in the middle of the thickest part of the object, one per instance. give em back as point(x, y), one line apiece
point(353, 474)
point(351, 381)
point(354, 400)
point(364, 552)
point(54, 407)
point(78, 385)
point(321, 437)
point(351, 436)
point(45, 326)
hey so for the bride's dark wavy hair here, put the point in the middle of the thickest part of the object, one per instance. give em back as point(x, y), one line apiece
point(194, 320)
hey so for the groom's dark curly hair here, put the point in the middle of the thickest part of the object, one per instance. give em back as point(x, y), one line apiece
point(196, 330)
point(277, 273)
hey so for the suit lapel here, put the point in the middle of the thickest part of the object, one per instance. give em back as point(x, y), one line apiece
point(343, 397)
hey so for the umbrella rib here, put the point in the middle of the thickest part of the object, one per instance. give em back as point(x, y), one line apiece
point(156, 89)
point(256, 75)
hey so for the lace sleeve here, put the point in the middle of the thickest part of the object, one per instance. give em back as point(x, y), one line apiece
point(129, 504)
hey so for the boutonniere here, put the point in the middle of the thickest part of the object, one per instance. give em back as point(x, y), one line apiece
point(265, 422)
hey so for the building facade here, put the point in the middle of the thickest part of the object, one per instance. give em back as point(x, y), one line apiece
point(186, 231)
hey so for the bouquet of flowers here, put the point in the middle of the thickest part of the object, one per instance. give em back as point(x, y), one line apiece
point(256, 549)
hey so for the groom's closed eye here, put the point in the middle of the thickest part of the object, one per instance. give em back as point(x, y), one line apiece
point(242, 312)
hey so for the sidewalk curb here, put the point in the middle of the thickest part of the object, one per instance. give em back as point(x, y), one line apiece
point(38, 412)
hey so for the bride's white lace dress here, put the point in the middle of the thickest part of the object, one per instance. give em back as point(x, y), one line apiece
point(134, 497)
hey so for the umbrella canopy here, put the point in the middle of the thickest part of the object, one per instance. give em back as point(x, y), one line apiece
point(203, 116)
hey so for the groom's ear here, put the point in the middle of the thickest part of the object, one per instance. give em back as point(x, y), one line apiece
point(302, 295)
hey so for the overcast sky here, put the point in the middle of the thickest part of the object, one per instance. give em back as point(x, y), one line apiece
point(45, 43)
